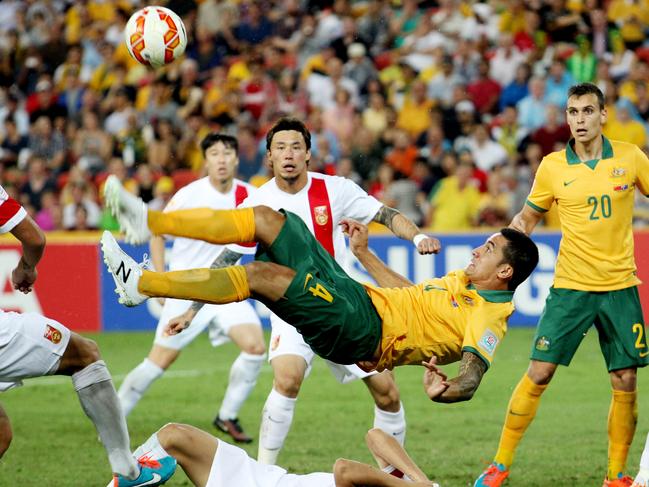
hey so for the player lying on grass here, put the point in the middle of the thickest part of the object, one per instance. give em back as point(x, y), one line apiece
point(462, 316)
point(210, 462)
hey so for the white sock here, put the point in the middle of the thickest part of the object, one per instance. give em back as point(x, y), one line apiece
point(99, 401)
point(151, 448)
point(393, 424)
point(243, 377)
point(136, 383)
point(276, 419)
point(644, 460)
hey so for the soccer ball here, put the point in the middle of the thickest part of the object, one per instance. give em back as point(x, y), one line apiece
point(155, 36)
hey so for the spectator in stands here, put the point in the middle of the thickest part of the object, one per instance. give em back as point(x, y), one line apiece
point(486, 152)
point(48, 144)
point(359, 68)
point(505, 60)
point(50, 216)
point(554, 132)
point(557, 83)
point(44, 102)
point(82, 213)
point(624, 126)
point(441, 85)
point(507, 131)
point(531, 109)
point(340, 118)
point(38, 182)
point(454, 200)
point(414, 116)
point(13, 144)
point(92, 146)
point(403, 155)
point(484, 91)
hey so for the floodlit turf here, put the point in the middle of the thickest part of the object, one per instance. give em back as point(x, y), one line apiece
point(55, 445)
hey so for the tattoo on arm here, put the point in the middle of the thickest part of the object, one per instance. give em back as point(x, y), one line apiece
point(226, 258)
point(385, 215)
point(462, 387)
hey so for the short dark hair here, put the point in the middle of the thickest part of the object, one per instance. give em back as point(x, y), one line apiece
point(289, 123)
point(521, 253)
point(214, 137)
point(582, 89)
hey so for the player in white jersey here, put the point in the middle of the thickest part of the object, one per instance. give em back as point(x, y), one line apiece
point(236, 321)
point(321, 202)
point(32, 345)
point(210, 462)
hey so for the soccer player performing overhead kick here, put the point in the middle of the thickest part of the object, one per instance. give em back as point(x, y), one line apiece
point(461, 316)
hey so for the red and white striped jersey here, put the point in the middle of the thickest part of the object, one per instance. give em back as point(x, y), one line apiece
point(11, 213)
point(188, 253)
point(321, 204)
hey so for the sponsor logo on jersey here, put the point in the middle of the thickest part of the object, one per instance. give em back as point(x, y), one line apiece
point(321, 215)
point(568, 183)
point(621, 187)
point(542, 344)
point(618, 172)
point(52, 334)
point(489, 342)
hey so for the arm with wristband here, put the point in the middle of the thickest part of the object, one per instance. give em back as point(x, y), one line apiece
point(404, 228)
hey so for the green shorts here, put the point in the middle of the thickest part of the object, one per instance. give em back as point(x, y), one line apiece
point(569, 314)
point(332, 311)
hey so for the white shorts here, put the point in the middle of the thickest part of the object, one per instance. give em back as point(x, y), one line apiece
point(218, 317)
point(232, 466)
point(286, 340)
point(31, 345)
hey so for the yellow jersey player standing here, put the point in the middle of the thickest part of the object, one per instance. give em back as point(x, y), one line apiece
point(592, 182)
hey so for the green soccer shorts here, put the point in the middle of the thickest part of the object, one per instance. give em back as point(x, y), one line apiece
point(569, 314)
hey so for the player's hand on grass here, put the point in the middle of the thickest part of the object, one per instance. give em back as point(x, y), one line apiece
point(179, 323)
point(429, 245)
point(23, 277)
point(435, 380)
point(357, 233)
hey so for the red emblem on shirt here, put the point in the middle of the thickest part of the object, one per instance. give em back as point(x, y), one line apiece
point(321, 215)
point(52, 334)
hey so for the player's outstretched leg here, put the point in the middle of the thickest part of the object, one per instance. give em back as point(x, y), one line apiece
point(262, 280)
point(260, 224)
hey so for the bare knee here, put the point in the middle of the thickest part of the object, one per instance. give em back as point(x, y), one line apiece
point(254, 348)
point(624, 379)
point(79, 353)
point(384, 391)
point(268, 224)
point(341, 470)
point(288, 383)
point(170, 437)
point(268, 280)
point(541, 373)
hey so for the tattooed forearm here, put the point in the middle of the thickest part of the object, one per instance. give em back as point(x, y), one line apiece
point(385, 216)
point(226, 258)
point(462, 387)
point(398, 224)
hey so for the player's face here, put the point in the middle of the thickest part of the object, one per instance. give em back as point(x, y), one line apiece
point(487, 259)
point(221, 162)
point(288, 155)
point(585, 118)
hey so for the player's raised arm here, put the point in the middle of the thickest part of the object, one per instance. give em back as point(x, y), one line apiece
point(526, 220)
point(32, 240)
point(460, 388)
point(226, 258)
point(387, 452)
point(404, 228)
point(382, 274)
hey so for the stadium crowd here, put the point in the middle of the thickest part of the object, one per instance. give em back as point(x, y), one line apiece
point(442, 109)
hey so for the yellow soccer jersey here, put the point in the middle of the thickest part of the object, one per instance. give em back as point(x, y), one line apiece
point(441, 317)
point(595, 203)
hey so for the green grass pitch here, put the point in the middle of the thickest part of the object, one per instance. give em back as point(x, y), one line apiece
point(55, 444)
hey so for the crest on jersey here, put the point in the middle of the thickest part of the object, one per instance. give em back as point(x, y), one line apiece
point(489, 341)
point(467, 299)
point(542, 344)
point(321, 214)
point(275, 343)
point(52, 334)
point(618, 172)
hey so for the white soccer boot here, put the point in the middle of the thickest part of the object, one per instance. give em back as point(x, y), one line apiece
point(130, 211)
point(125, 271)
